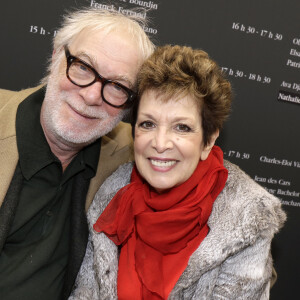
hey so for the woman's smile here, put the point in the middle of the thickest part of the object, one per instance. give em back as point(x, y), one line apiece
point(162, 164)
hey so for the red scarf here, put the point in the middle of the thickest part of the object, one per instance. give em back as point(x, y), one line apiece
point(159, 232)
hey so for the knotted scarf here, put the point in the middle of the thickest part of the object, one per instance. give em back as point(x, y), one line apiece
point(159, 232)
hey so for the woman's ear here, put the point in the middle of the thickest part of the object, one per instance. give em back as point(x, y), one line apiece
point(206, 150)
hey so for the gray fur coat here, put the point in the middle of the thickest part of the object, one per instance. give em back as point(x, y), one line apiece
point(232, 262)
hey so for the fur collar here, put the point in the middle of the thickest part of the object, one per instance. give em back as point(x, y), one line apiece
point(242, 213)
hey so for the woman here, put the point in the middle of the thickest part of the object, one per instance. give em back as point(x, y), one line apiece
point(180, 223)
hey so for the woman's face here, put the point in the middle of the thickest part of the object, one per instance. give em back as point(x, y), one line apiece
point(168, 140)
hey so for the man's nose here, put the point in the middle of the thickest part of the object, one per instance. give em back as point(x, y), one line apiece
point(162, 140)
point(92, 94)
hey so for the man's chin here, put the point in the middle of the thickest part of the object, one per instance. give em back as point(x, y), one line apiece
point(78, 140)
point(81, 134)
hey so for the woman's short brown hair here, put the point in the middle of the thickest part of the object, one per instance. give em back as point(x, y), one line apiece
point(176, 71)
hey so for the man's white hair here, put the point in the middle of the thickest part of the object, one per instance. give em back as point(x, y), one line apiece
point(104, 20)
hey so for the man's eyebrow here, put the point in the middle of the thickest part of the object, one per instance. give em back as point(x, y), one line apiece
point(92, 62)
point(123, 78)
point(86, 58)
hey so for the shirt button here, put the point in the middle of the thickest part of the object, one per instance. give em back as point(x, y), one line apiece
point(49, 213)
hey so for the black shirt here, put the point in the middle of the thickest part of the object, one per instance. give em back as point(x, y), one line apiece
point(34, 258)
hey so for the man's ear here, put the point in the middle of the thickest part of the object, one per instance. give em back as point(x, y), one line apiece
point(208, 147)
point(53, 54)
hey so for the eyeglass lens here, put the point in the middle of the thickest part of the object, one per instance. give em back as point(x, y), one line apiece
point(83, 75)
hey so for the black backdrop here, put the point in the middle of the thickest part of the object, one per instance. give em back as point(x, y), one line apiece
point(257, 43)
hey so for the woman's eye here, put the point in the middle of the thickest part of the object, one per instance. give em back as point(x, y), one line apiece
point(146, 124)
point(183, 128)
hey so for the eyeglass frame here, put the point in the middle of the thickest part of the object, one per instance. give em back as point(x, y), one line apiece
point(71, 58)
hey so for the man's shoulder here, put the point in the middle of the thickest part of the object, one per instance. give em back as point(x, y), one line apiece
point(9, 97)
point(112, 184)
point(9, 102)
point(116, 149)
point(121, 134)
point(6, 96)
point(6, 93)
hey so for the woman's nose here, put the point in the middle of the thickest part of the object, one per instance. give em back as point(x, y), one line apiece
point(92, 94)
point(162, 140)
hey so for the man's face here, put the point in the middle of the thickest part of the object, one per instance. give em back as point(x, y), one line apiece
point(77, 116)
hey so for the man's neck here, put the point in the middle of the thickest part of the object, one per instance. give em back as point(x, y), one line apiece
point(64, 151)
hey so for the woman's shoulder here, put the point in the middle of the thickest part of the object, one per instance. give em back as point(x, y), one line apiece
point(108, 189)
point(247, 204)
point(117, 179)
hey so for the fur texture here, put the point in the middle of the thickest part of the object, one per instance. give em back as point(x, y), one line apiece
point(232, 262)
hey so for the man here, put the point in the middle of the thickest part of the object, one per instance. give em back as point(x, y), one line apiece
point(50, 144)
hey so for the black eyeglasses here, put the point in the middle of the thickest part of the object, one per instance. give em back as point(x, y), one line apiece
point(82, 74)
